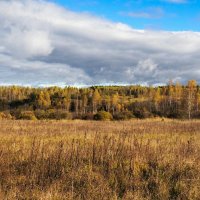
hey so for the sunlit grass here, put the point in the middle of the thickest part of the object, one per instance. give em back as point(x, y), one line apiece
point(138, 159)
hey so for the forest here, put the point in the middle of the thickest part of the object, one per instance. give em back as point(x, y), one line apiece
point(101, 102)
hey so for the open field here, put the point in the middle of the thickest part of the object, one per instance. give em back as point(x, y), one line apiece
point(100, 160)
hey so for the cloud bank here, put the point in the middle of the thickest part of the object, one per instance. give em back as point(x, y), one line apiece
point(42, 43)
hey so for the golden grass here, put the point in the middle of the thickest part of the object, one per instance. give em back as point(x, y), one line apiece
point(138, 159)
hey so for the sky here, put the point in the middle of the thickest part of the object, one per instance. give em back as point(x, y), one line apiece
point(172, 15)
point(99, 42)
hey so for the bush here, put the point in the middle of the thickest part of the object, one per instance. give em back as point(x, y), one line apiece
point(5, 115)
point(142, 113)
point(58, 114)
point(88, 116)
point(27, 115)
point(123, 115)
point(103, 116)
point(40, 114)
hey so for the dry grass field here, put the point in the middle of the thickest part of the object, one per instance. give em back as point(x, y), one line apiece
point(133, 160)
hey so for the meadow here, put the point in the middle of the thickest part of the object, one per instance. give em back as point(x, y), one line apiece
point(111, 160)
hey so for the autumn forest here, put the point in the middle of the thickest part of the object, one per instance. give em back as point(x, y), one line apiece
point(101, 102)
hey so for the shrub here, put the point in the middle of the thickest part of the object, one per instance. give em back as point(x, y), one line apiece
point(5, 115)
point(61, 114)
point(142, 113)
point(88, 116)
point(58, 114)
point(27, 115)
point(103, 116)
point(123, 115)
point(40, 114)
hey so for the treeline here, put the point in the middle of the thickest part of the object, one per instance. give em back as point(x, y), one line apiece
point(101, 102)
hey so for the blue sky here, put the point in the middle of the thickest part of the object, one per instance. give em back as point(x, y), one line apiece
point(173, 15)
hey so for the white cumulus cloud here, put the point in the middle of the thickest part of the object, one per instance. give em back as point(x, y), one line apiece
point(43, 43)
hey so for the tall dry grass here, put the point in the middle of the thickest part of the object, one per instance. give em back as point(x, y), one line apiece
point(100, 160)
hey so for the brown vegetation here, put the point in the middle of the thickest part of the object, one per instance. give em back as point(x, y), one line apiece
point(138, 159)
